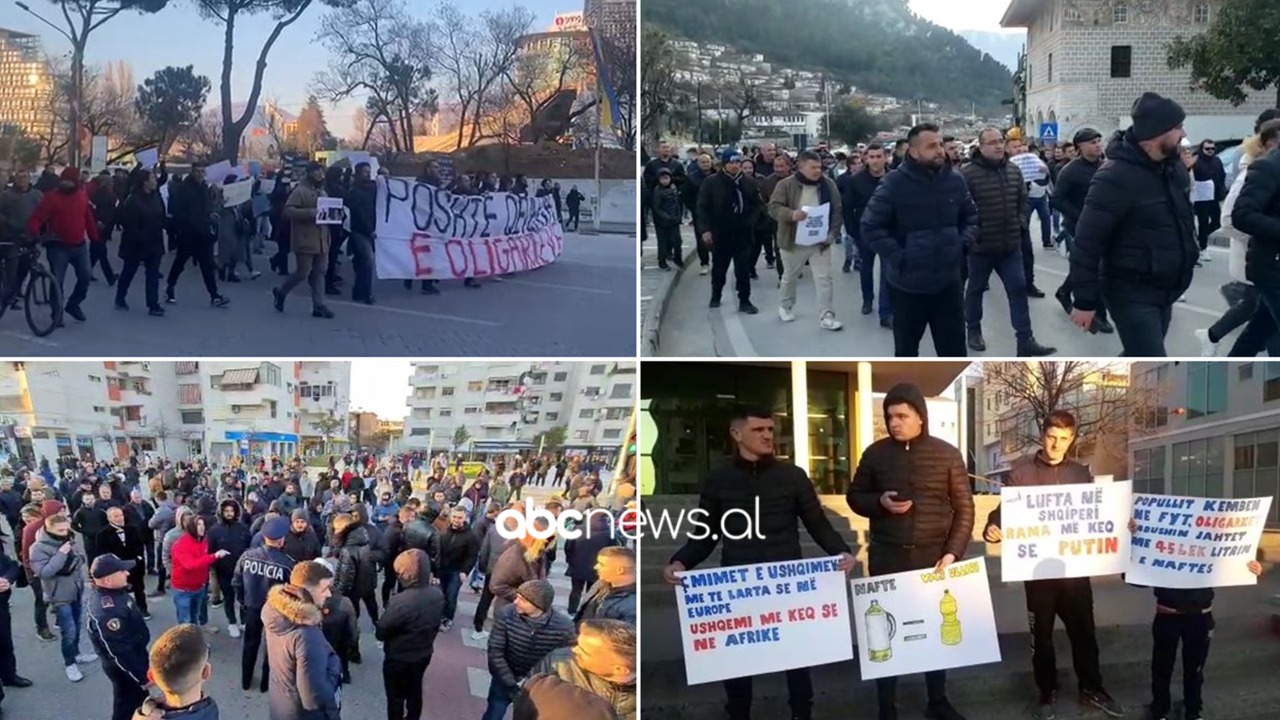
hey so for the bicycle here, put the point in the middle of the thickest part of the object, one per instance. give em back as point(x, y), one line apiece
point(24, 276)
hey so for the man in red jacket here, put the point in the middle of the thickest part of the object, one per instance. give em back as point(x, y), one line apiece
point(65, 214)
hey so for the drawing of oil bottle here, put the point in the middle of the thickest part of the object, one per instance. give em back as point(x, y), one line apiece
point(950, 623)
point(881, 627)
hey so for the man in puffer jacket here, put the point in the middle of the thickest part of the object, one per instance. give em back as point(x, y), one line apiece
point(547, 697)
point(459, 548)
point(523, 633)
point(408, 628)
point(68, 215)
point(915, 489)
point(667, 214)
point(306, 675)
point(355, 576)
point(230, 534)
point(602, 663)
point(61, 569)
point(1257, 214)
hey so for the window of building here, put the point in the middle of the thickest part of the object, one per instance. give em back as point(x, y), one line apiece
point(425, 393)
point(617, 413)
point(586, 414)
point(269, 374)
point(560, 377)
point(1271, 382)
point(95, 378)
point(446, 392)
point(192, 417)
point(1201, 16)
point(1245, 372)
point(446, 412)
point(429, 369)
point(271, 405)
point(592, 392)
point(1072, 14)
point(612, 434)
point(419, 431)
point(552, 417)
point(1120, 13)
point(557, 397)
point(621, 391)
point(99, 409)
point(580, 435)
point(1148, 470)
point(503, 385)
point(597, 369)
point(422, 413)
point(471, 410)
point(1206, 389)
point(475, 386)
point(1050, 67)
point(1255, 467)
point(1121, 61)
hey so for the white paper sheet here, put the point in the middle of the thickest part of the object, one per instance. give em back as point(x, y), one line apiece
point(814, 229)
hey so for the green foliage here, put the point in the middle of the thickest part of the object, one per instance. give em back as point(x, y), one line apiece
point(657, 80)
point(1238, 51)
point(169, 102)
point(852, 124)
point(460, 437)
point(552, 439)
point(877, 45)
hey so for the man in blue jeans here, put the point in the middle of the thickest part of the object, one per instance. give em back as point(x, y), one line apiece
point(459, 548)
point(60, 566)
point(524, 632)
point(64, 217)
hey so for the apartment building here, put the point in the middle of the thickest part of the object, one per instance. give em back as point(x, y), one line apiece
point(324, 399)
point(26, 85)
point(1215, 432)
point(505, 405)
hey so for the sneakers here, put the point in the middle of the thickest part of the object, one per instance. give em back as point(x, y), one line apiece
point(704, 270)
point(1045, 709)
point(146, 616)
point(86, 658)
point(445, 625)
point(829, 322)
point(1102, 701)
point(233, 631)
point(216, 603)
point(211, 629)
point(1208, 348)
point(74, 674)
point(479, 635)
point(786, 315)
point(45, 635)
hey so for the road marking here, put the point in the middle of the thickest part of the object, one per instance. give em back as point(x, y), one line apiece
point(415, 313)
point(31, 338)
point(554, 286)
point(738, 339)
point(1176, 306)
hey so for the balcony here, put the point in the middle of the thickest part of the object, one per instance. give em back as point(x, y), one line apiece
point(427, 379)
point(421, 402)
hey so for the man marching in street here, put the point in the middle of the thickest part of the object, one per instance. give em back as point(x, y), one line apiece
point(915, 489)
point(119, 634)
point(781, 494)
point(727, 202)
point(1068, 598)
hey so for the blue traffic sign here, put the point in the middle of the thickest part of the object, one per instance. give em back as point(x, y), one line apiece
point(1049, 132)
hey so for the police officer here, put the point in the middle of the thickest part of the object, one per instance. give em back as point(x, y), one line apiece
point(10, 570)
point(119, 634)
point(257, 571)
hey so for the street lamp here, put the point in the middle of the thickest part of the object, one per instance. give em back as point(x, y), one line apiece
point(77, 77)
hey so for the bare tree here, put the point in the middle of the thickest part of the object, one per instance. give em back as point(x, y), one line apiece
point(1108, 407)
point(657, 80)
point(165, 432)
point(203, 140)
point(741, 97)
point(473, 58)
point(381, 49)
point(535, 83)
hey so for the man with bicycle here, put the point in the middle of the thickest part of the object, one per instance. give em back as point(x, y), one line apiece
point(17, 202)
point(65, 215)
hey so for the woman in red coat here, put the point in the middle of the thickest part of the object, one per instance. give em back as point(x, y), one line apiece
point(66, 214)
point(191, 563)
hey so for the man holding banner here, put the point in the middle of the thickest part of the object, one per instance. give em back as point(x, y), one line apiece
point(1069, 598)
point(755, 485)
point(915, 489)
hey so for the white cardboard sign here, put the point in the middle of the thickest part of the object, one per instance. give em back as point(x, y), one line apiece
point(814, 228)
point(1065, 531)
point(1194, 542)
point(756, 619)
point(919, 621)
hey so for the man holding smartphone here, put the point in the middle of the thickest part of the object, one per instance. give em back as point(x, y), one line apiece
point(915, 489)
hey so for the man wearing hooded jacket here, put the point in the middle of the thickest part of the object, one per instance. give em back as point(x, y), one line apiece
point(727, 202)
point(230, 533)
point(66, 213)
point(915, 489)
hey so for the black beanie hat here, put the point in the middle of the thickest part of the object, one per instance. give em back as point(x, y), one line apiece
point(1084, 135)
point(1155, 115)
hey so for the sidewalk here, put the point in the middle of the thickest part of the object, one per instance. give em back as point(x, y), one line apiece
point(656, 288)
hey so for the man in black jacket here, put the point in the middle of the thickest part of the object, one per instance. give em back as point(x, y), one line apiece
point(360, 201)
point(1001, 197)
point(230, 534)
point(524, 632)
point(1208, 168)
point(1257, 214)
point(408, 630)
point(666, 160)
point(459, 548)
point(856, 192)
point(727, 204)
point(779, 493)
point(915, 489)
point(1068, 598)
point(667, 214)
point(125, 542)
point(259, 570)
point(1070, 188)
point(193, 215)
point(1135, 246)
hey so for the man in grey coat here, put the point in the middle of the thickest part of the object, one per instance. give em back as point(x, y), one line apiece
point(61, 567)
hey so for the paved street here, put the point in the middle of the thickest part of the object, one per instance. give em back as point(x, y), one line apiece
point(584, 304)
point(690, 329)
point(455, 688)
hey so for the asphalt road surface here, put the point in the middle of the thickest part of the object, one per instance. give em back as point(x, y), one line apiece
point(691, 329)
point(584, 304)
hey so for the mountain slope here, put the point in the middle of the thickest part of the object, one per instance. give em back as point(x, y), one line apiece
point(877, 45)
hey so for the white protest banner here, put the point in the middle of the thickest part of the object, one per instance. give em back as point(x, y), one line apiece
point(1193, 542)
point(217, 172)
point(756, 619)
point(918, 621)
point(237, 193)
point(427, 233)
point(1065, 531)
point(147, 158)
point(814, 228)
point(329, 211)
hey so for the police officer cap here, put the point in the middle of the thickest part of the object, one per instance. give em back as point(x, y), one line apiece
point(109, 564)
point(275, 528)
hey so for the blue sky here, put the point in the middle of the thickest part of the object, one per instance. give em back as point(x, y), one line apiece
point(179, 36)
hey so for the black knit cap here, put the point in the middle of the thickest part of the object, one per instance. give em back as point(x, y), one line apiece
point(539, 593)
point(1084, 135)
point(1155, 115)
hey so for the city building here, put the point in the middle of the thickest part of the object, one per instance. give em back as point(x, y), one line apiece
point(1088, 60)
point(616, 22)
point(324, 399)
point(364, 427)
point(249, 408)
point(26, 84)
point(393, 432)
point(503, 406)
point(1217, 433)
point(92, 410)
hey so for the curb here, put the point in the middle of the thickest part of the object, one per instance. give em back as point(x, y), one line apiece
point(651, 325)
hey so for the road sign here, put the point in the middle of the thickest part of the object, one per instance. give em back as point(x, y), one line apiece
point(1049, 132)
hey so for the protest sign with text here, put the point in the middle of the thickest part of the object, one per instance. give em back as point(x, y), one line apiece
point(1065, 531)
point(1193, 542)
point(922, 620)
point(755, 619)
point(431, 234)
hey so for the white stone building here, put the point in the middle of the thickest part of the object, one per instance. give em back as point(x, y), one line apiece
point(324, 391)
point(1088, 60)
